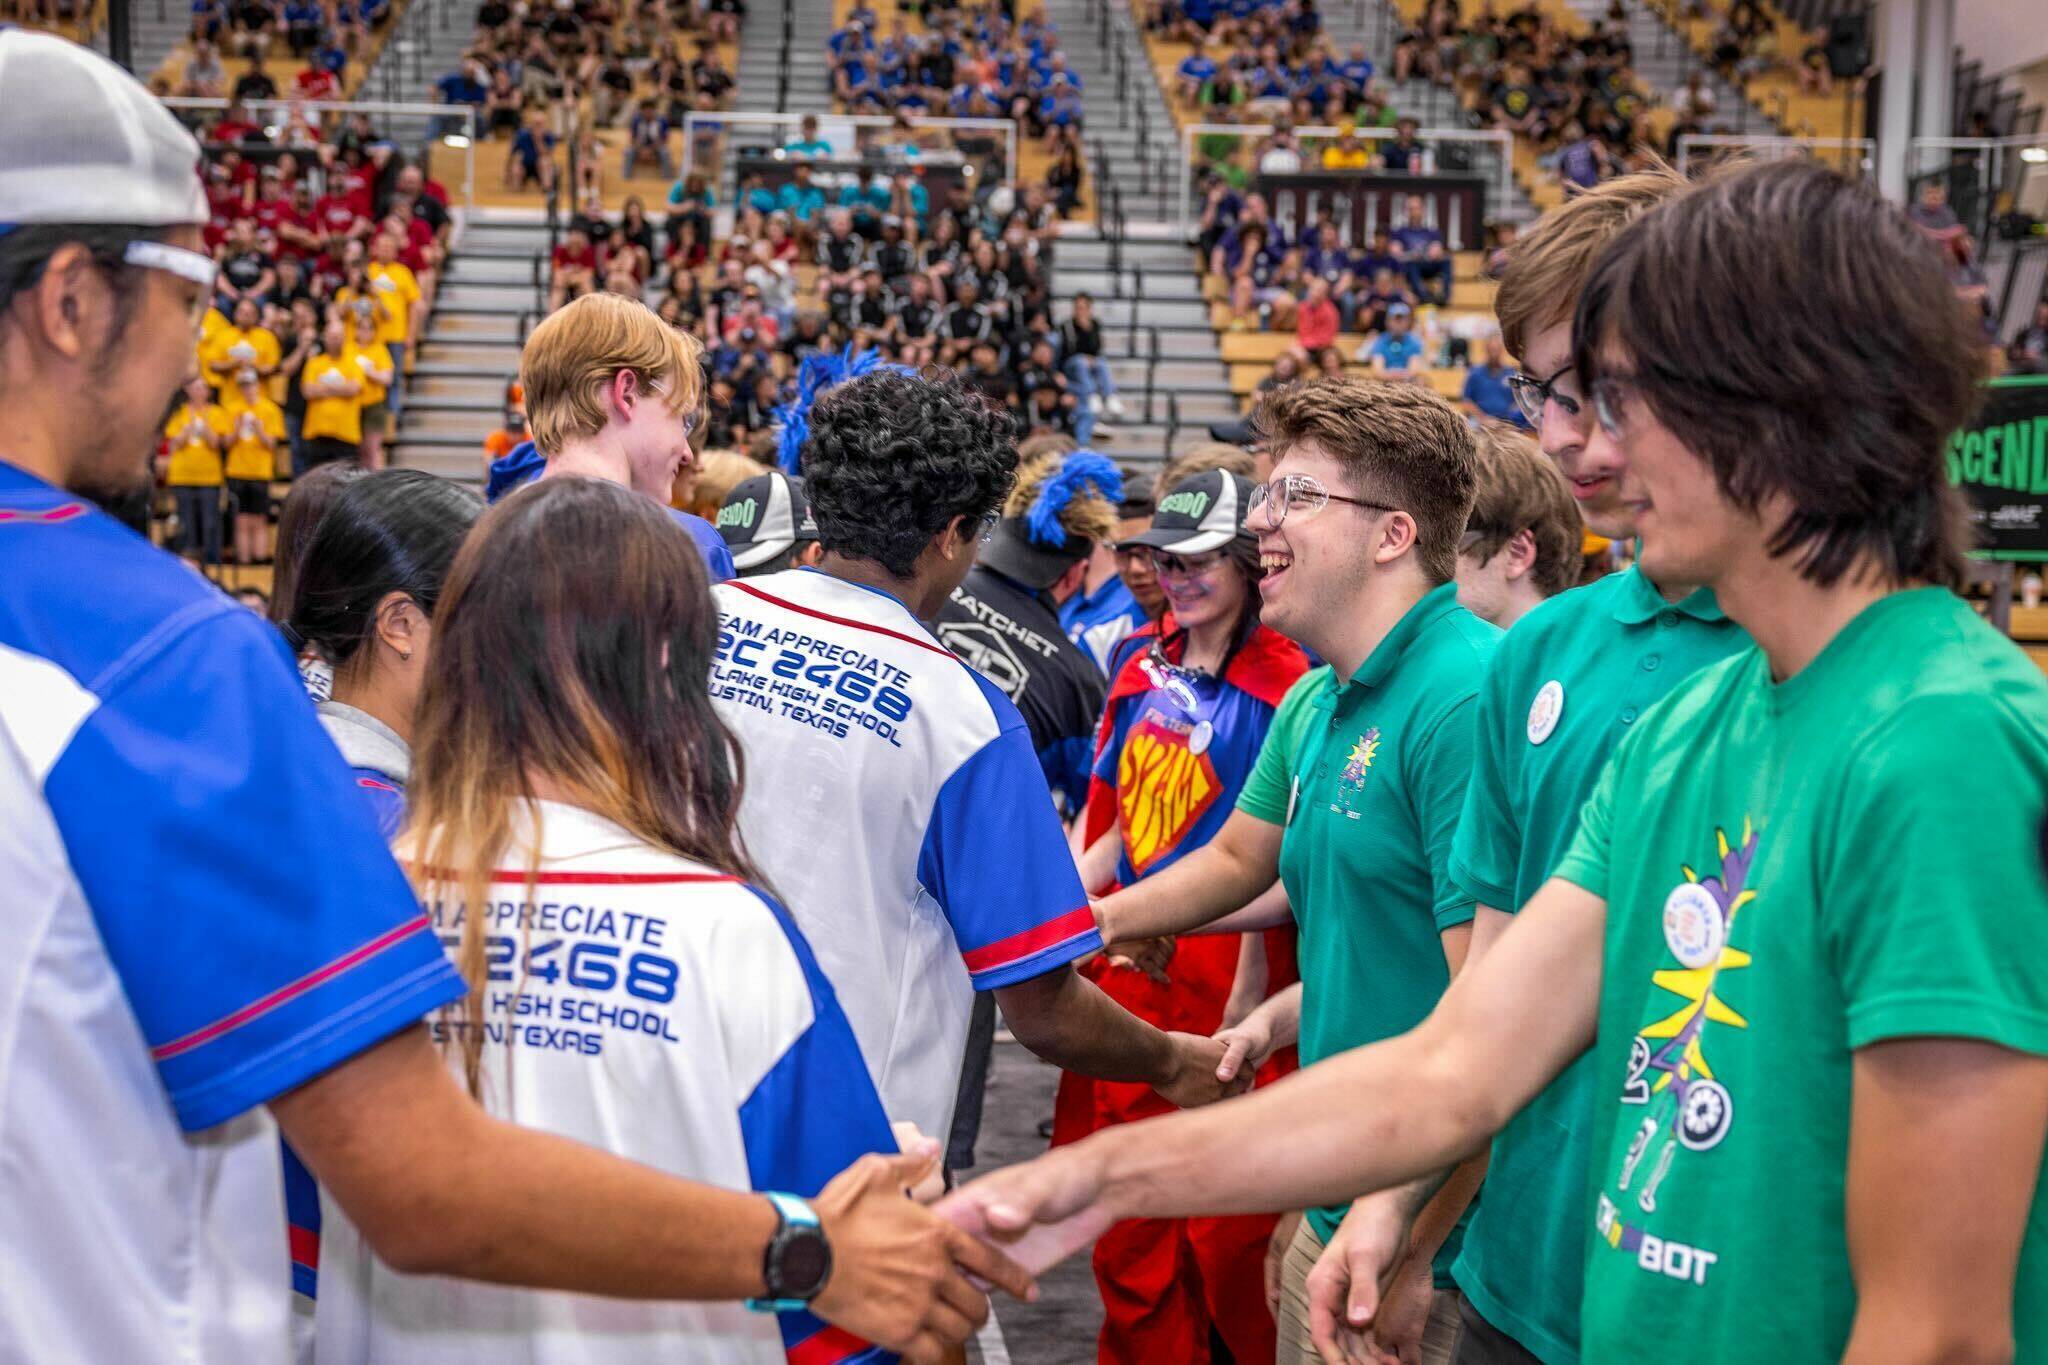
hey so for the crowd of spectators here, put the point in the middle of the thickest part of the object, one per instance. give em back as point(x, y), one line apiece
point(960, 280)
point(231, 46)
point(329, 245)
point(978, 64)
point(544, 78)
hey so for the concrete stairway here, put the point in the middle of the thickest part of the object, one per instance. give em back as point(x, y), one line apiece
point(760, 61)
point(1663, 59)
point(470, 350)
point(1125, 117)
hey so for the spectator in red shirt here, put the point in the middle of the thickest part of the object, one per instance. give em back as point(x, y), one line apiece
point(336, 221)
point(577, 265)
point(1315, 321)
point(298, 232)
point(316, 83)
point(272, 208)
point(235, 126)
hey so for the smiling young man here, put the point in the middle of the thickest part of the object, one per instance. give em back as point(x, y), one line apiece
point(1357, 789)
point(612, 392)
point(1810, 959)
point(1566, 685)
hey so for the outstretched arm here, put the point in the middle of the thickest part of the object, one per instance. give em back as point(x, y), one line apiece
point(1371, 1118)
point(439, 1187)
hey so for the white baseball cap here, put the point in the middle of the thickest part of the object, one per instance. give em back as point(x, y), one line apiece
point(84, 142)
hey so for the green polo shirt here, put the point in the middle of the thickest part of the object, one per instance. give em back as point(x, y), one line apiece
point(1794, 871)
point(1368, 777)
point(1565, 685)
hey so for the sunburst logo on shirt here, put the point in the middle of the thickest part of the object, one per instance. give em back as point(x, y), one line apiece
point(1699, 919)
point(1163, 790)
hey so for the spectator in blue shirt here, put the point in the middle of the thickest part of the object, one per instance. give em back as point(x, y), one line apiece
point(1357, 69)
point(1423, 254)
point(1486, 386)
point(853, 77)
point(800, 199)
point(1397, 352)
point(1196, 70)
point(1060, 106)
point(808, 143)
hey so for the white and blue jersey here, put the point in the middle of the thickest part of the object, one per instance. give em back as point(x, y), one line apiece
point(649, 1006)
point(1099, 621)
point(193, 926)
point(894, 799)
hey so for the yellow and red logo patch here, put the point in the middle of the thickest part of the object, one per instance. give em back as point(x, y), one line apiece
point(1162, 791)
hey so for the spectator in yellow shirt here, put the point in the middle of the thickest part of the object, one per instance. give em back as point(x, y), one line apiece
point(197, 432)
point(394, 281)
point(1347, 153)
point(243, 344)
point(370, 360)
point(333, 427)
point(253, 442)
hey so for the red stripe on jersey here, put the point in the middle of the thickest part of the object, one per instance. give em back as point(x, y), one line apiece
point(752, 591)
point(305, 1244)
point(374, 785)
point(52, 517)
point(826, 1347)
point(1019, 946)
point(507, 876)
point(284, 995)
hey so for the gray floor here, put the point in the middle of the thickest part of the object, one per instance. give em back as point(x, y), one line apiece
point(1060, 1328)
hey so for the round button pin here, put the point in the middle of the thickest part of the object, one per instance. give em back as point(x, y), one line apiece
point(1200, 738)
point(1545, 711)
point(1694, 928)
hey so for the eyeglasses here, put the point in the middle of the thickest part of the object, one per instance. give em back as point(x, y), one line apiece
point(987, 525)
point(1188, 566)
point(1532, 393)
point(1301, 495)
point(1612, 393)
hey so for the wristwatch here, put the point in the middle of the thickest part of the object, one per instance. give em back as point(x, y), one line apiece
point(798, 1260)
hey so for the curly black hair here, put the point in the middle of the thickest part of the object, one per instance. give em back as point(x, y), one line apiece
point(892, 459)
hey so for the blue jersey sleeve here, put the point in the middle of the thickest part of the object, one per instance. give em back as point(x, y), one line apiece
point(259, 927)
point(717, 558)
point(386, 798)
point(814, 1114)
point(997, 862)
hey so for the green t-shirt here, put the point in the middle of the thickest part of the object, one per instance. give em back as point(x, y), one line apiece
point(1565, 685)
point(1368, 778)
point(1793, 871)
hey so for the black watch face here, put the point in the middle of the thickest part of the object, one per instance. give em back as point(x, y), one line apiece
point(803, 1263)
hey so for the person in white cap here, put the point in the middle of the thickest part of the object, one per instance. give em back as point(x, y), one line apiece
point(177, 991)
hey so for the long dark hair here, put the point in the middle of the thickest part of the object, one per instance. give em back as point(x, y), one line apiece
point(574, 646)
point(396, 530)
point(312, 493)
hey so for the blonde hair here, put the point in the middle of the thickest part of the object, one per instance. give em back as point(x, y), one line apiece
point(1200, 459)
point(574, 355)
point(1519, 489)
point(1547, 267)
point(718, 473)
point(1087, 514)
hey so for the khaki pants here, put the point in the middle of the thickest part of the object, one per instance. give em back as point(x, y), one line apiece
point(1297, 1347)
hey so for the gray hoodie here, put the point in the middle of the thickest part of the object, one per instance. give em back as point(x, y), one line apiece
point(366, 742)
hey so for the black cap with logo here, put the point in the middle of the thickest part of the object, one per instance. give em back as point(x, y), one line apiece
point(764, 517)
point(1202, 512)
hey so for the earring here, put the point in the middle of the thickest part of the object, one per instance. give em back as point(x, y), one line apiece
point(406, 655)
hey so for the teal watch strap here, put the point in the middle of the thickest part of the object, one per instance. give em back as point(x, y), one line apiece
point(790, 1212)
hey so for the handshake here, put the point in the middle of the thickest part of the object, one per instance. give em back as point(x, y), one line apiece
point(914, 1280)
